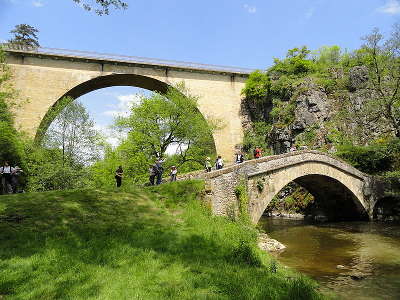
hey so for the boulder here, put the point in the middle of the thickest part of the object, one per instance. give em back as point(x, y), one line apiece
point(270, 245)
point(358, 77)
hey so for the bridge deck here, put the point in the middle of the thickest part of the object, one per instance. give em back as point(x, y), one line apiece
point(345, 167)
point(57, 53)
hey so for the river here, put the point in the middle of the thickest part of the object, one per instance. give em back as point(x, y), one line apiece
point(354, 260)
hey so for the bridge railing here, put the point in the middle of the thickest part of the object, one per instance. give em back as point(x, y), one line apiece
point(123, 58)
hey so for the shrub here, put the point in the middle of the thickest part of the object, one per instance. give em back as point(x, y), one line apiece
point(369, 159)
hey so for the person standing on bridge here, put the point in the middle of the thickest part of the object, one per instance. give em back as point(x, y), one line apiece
point(239, 158)
point(257, 152)
point(207, 164)
point(119, 173)
point(219, 163)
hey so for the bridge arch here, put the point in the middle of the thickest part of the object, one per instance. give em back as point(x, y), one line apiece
point(45, 75)
point(96, 83)
point(338, 194)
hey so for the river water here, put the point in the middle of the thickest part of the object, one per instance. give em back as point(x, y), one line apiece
point(354, 260)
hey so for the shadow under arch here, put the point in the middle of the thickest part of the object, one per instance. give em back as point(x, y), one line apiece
point(97, 83)
point(332, 198)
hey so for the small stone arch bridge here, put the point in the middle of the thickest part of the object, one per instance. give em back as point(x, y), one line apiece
point(340, 191)
point(44, 76)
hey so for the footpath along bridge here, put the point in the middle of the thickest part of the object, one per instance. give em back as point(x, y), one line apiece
point(341, 192)
point(44, 76)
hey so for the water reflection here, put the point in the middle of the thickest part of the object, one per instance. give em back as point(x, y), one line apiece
point(356, 260)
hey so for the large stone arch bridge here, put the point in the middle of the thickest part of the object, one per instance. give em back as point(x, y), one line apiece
point(44, 76)
point(341, 191)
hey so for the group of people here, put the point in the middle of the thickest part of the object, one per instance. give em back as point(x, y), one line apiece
point(239, 158)
point(156, 171)
point(9, 178)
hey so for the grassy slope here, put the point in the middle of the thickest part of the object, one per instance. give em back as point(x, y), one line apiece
point(155, 243)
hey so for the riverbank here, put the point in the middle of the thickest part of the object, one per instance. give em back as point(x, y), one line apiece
point(134, 243)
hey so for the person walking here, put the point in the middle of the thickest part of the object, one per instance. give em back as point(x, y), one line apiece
point(219, 163)
point(257, 152)
point(152, 173)
point(173, 173)
point(207, 164)
point(159, 170)
point(6, 177)
point(119, 173)
point(239, 158)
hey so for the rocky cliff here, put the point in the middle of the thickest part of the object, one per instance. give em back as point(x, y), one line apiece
point(317, 112)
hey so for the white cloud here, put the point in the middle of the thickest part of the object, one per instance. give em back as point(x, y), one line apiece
point(37, 3)
point(392, 7)
point(250, 9)
point(113, 137)
point(124, 105)
point(309, 13)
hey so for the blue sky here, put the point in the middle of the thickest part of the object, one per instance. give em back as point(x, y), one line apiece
point(240, 33)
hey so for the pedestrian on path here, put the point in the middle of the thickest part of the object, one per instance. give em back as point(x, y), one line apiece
point(6, 177)
point(173, 173)
point(152, 173)
point(159, 170)
point(119, 173)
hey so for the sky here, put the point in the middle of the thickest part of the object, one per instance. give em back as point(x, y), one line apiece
point(239, 33)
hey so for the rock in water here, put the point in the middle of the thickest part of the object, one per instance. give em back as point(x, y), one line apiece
point(270, 245)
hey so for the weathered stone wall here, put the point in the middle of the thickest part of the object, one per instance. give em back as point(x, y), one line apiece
point(274, 172)
point(43, 80)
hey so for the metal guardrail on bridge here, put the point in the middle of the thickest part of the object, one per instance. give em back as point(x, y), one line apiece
point(123, 58)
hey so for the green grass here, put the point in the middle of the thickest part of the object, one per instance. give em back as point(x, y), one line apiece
point(134, 243)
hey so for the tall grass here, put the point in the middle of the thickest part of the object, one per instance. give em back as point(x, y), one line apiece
point(154, 243)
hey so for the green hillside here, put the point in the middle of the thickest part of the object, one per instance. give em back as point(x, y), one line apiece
point(137, 243)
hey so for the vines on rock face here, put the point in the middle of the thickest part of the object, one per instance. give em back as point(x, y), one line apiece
point(243, 201)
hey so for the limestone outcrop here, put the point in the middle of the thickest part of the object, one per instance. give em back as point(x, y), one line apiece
point(267, 244)
point(315, 106)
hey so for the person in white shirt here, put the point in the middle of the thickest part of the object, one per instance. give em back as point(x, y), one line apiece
point(219, 163)
point(173, 173)
point(6, 172)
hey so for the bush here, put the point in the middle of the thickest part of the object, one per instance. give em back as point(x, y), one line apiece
point(369, 159)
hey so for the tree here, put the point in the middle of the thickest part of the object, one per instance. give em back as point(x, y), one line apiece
point(160, 122)
point(72, 132)
point(25, 35)
point(102, 7)
point(382, 57)
point(10, 146)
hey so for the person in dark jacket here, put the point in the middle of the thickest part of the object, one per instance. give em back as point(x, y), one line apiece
point(159, 170)
point(119, 174)
point(6, 172)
